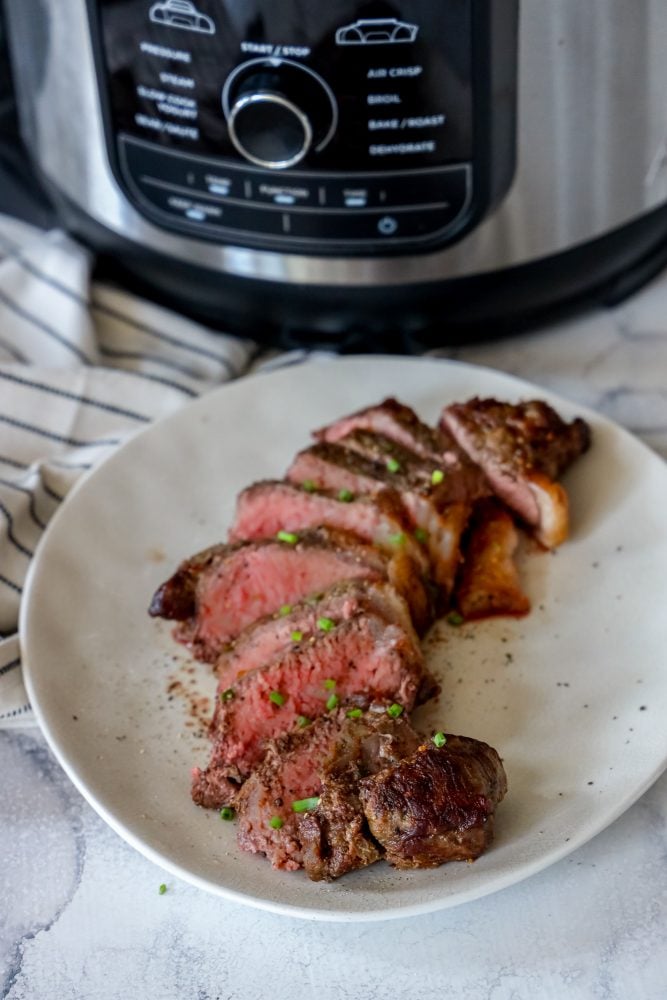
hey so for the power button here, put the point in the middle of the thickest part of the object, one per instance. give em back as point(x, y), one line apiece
point(387, 225)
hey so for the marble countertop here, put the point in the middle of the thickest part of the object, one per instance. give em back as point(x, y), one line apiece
point(82, 915)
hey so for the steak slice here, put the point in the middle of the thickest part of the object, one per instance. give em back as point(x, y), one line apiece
point(404, 470)
point(398, 423)
point(270, 506)
point(438, 805)
point(335, 836)
point(263, 639)
point(489, 580)
point(522, 448)
point(217, 593)
point(439, 524)
point(290, 771)
point(361, 660)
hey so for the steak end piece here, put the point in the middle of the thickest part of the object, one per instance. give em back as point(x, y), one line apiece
point(335, 837)
point(437, 805)
point(523, 448)
point(317, 769)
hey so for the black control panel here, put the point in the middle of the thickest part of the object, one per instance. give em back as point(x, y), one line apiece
point(335, 128)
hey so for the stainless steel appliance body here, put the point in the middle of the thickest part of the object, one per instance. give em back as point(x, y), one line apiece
point(336, 155)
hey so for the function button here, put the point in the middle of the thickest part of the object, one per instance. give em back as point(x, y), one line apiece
point(293, 192)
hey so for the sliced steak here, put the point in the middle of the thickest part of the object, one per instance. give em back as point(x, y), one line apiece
point(333, 467)
point(522, 448)
point(405, 470)
point(263, 639)
point(217, 593)
point(438, 805)
point(438, 524)
point(270, 506)
point(394, 420)
point(400, 424)
point(489, 580)
point(361, 660)
point(290, 772)
point(335, 836)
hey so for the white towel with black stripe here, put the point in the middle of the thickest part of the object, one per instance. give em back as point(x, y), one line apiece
point(82, 367)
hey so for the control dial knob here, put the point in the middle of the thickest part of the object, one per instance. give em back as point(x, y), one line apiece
point(277, 111)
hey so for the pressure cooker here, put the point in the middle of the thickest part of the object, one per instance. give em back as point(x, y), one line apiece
point(375, 173)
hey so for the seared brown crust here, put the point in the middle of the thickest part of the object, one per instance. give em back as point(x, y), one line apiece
point(527, 436)
point(437, 805)
point(461, 482)
point(335, 837)
point(317, 463)
point(489, 581)
point(176, 598)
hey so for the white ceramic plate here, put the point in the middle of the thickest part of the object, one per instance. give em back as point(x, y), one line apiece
point(574, 696)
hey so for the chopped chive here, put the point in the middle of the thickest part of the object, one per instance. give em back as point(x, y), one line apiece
point(439, 739)
point(421, 535)
point(397, 539)
point(309, 486)
point(332, 702)
point(395, 710)
point(302, 721)
point(296, 636)
point(454, 618)
point(162, 889)
point(287, 536)
point(277, 698)
point(275, 822)
point(354, 713)
point(325, 624)
point(329, 684)
point(303, 805)
point(437, 476)
point(285, 610)
point(227, 695)
point(346, 495)
point(393, 465)
point(227, 813)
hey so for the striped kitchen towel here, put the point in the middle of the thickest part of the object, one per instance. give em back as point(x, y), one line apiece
point(83, 366)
